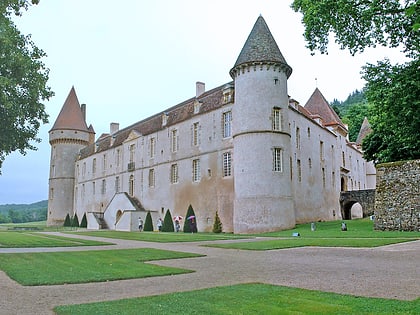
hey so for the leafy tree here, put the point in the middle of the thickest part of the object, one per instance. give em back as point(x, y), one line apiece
point(354, 118)
point(217, 225)
point(148, 223)
point(391, 89)
point(83, 223)
point(67, 220)
point(190, 212)
point(168, 225)
point(395, 94)
point(23, 83)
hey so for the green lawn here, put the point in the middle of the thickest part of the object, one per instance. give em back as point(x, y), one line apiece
point(87, 266)
point(14, 239)
point(163, 237)
point(247, 299)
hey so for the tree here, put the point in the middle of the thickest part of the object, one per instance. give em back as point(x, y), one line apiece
point(190, 212)
point(75, 221)
point(217, 225)
point(168, 225)
point(395, 94)
point(354, 118)
point(83, 223)
point(148, 223)
point(393, 90)
point(67, 220)
point(23, 83)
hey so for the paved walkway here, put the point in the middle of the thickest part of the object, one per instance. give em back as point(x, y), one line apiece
point(389, 272)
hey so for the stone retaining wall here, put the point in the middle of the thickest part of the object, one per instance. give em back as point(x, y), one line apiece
point(397, 200)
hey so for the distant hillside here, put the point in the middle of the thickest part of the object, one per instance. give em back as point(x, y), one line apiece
point(20, 213)
point(352, 112)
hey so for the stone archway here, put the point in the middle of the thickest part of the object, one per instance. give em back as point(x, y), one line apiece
point(365, 199)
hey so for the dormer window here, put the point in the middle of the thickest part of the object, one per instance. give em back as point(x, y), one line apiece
point(197, 106)
point(228, 94)
point(165, 117)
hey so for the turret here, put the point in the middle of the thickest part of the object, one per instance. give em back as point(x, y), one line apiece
point(68, 135)
point(261, 137)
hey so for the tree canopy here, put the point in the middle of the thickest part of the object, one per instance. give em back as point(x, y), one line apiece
point(392, 90)
point(23, 83)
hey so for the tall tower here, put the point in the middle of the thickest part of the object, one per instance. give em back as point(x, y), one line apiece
point(68, 135)
point(261, 136)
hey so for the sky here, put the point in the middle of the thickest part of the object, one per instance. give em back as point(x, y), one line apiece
point(130, 59)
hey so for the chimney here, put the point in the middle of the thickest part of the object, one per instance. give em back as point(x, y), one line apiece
point(200, 88)
point(114, 127)
point(83, 109)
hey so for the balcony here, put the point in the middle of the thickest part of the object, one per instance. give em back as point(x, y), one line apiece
point(131, 166)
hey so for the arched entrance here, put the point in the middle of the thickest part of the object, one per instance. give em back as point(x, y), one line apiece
point(118, 216)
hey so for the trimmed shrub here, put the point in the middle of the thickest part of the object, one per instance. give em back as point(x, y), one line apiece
point(83, 224)
point(67, 220)
point(217, 225)
point(168, 225)
point(75, 221)
point(187, 225)
point(148, 223)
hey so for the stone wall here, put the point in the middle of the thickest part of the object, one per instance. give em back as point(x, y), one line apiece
point(397, 200)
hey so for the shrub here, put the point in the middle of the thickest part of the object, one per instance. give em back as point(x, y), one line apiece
point(83, 224)
point(148, 223)
point(75, 221)
point(187, 227)
point(168, 225)
point(217, 225)
point(67, 220)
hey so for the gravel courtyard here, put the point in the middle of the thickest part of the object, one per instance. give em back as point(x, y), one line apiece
point(388, 272)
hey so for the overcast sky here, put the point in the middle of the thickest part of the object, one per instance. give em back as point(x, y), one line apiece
point(130, 59)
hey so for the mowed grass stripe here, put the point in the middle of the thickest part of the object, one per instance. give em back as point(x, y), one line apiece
point(247, 299)
point(87, 266)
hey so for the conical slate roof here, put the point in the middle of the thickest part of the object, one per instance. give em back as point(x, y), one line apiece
point(365, 129)
point(318, 105)
point(71, 116)
point(261, 47)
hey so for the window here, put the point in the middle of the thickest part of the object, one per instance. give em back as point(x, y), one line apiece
point(309, 132)
point(118, 157)
point(103, 190)
point(276, 119)
point(195, 134)
point(227, 124)
point(297, 138)
point(93, 188)
point(94, 166)
point(131, 186)
point(310, 163)
point(299, 169)
point(277, 160)
point(117, 184)
point(174, 140)
point(132, 152)
point(152, 147)
point(152, 177)
point(104, 162)
point(84, 169)
point(344, 158)
point(196, 170)
point(174, 173)
point(321, 150)
point(227, 164)
point(323, 177)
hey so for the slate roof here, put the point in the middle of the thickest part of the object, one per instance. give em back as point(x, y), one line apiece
point(71, 116)
point(209, 101)
point(318, 105)
point(260, 47)
point(365, 129)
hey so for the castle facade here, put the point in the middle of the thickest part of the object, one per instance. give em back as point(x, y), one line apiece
point(244, 149)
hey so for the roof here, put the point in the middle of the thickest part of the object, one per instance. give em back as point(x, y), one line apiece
point(71, 115)
point(365, 129)
point(209, 101)
point(261, 47)
point(318, 105)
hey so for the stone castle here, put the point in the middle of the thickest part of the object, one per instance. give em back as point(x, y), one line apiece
point(245, 149)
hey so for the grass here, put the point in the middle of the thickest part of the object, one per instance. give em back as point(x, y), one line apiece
point(14, 239)
point(360, 233)
point(163, 237)
point(247, 299)
point(87, 266)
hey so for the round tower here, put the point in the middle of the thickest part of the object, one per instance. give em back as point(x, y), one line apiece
point(261, 136)
point(68, 135)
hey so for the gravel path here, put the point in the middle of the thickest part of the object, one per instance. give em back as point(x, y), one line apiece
point(389, 272)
